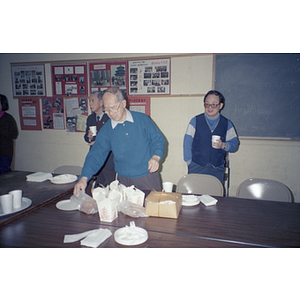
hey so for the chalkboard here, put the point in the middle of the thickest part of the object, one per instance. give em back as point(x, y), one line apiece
point(262, 93)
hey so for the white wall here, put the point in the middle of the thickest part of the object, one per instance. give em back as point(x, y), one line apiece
point(191, 76)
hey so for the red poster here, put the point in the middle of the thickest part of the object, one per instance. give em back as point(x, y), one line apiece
point(140, 103)
point(29, 111)
point(69, 80)
point(53, 113)
point(108, 74)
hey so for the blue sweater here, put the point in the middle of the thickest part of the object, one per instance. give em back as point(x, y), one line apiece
point(132, 143)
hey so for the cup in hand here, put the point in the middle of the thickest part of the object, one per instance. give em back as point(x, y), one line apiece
point(17, 198)
point(168, 187)
point(6, 203)
point(93, 129)
point(214, 139)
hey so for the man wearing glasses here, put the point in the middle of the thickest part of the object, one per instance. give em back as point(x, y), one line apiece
point(201, 155)
point(135, 141)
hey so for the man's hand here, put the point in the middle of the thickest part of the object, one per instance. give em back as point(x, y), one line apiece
point(80, 185)
point(153, 163)
point(90, 134)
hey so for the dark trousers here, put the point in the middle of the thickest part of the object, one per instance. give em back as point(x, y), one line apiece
point(5, 164)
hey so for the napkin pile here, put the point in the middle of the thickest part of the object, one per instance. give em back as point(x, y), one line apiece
point(208, 200)
point(38, 177)
point(92, 238)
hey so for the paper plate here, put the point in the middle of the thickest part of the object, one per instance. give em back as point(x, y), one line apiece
point(26, 202)
point(62, 179)
point(190, 200)
point(129, 236)
point(67, 205)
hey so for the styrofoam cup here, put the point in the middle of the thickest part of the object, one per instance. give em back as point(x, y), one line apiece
point(168, 187)
point(214, 139)
point(6, 203)
point(93, 129)
point(17, 198)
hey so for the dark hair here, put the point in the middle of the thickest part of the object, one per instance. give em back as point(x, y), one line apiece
point(214, 92)
point(4, 102)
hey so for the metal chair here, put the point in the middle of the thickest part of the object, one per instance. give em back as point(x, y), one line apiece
point(74, 170)
point(200, 184)
point(264, 189)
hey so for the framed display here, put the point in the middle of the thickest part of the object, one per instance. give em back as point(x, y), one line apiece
point(148, 77)
point(29, 111)
point(53, 113)
point(69, 80)
point(76, 109)
point(104, 75)
point(140, 103)
point(28, 80)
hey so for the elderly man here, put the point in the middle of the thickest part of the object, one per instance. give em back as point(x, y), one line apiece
point(98, 118)
point(135, 141)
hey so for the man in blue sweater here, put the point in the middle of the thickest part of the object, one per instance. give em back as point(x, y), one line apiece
point(135, 141)
point(201, 156)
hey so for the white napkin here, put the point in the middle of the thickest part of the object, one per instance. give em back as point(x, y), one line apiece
point(96, 238)
point(208, 200)
point(38, 177)
point(91, 238)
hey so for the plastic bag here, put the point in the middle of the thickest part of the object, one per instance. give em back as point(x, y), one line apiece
point(130, 209)
point(86, 203)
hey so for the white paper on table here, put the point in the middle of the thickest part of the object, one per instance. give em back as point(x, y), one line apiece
point(96, 238)
point(71, 238)
point(208, 200)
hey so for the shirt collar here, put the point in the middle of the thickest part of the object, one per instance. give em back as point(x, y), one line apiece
point(2, 113)
point(100, 116)
point(128, 118)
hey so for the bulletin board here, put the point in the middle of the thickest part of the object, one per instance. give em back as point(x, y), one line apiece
point(76, 109)
point(148, 77)
point(140, 104)
point(69, 79)
point(28, 80)
point(29, 111)
point(104, 75)
point(53, 112)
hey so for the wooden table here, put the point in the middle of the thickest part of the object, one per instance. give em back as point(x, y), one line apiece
point(40, 193)
point(232, 222)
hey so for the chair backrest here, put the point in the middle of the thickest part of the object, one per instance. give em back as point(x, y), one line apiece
point(74, 170)
point(264, 189)
point(200, 184)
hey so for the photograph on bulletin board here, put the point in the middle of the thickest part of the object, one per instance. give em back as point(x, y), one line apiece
point(148, 77)
point(104, 75)
point(69, 80)
point(53, 112)
point(76, 109)
point(28, 80)
point(29, 112)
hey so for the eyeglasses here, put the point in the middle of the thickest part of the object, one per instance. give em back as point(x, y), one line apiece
point(111, 110)
point(207, 105)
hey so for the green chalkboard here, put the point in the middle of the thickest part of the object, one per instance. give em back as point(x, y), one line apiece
point(262, 93)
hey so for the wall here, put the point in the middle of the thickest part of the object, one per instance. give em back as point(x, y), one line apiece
point(191, 77)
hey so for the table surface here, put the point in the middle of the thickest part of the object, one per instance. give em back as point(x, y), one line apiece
point(40, 193)
point(232, 222)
